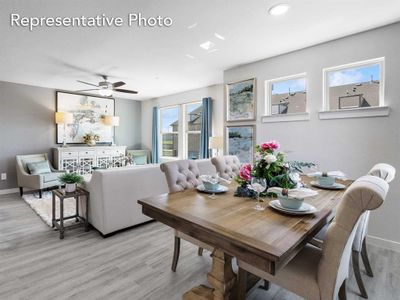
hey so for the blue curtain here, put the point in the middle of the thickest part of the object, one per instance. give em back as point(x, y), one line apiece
point(154, 137)
point(206, 128)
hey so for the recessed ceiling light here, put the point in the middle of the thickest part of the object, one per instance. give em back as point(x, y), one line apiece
point(190, 56)
point(218, 36)
point(279, 9)
point(207, 45)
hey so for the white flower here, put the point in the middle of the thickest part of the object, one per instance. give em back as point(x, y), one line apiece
point(270, 158)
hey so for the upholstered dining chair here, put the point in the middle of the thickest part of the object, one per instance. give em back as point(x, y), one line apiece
point(321, 274)
point(227, 166)
point(182, 175)
point(387, 173)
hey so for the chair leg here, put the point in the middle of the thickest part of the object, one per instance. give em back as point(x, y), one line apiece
point(21, 191)
point(200, 251)
point(40, 194)
point(365, 259)
point(342, 291)
point(177, 247)
point(265, 286)
point(242, 284)
point(357, 274)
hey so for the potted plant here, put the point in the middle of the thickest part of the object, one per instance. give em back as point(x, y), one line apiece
point(70, 180)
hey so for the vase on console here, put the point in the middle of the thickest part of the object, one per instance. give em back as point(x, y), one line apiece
point(90, 139)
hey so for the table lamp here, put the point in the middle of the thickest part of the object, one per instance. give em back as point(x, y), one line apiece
point(111, 121)
point(64, 118)
point(216, 142)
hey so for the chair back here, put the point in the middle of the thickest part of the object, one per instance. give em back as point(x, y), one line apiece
point(181, 174)
point(228, 166)
point(366, 193)
point(387, 173)
point(23, 160)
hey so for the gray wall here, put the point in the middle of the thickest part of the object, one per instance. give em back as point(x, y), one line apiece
point(350, 145)
point(27, 124)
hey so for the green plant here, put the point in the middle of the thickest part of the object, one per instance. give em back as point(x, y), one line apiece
point(71, 178)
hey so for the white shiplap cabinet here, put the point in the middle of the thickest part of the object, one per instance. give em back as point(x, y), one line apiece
point(83, 159)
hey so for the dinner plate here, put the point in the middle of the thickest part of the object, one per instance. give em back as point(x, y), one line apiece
point(221, 189)
point(305, 209)
point(335, 186)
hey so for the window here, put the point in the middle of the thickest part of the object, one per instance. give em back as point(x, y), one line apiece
point(193, 117)
point(286, 98)
point(356, 85)
point(169, 131)
point(180, 130)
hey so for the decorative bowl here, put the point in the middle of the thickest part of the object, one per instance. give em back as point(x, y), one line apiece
point(326, 180)
point(210, 186)
point(292, 203)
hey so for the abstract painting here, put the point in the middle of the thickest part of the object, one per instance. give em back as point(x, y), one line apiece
point(240, 142)
point(87, 113)
point(241, 104)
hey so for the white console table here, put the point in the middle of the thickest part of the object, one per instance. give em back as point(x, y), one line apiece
point(83, 159)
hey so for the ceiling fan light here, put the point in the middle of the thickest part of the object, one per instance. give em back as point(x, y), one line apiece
point(105, 92)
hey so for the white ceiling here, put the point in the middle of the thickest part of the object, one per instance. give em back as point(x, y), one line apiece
point(153, 60)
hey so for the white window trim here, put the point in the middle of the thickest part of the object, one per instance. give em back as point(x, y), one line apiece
point(185, 129)
point(376, 111)
point(166, 158)
point(268, 117)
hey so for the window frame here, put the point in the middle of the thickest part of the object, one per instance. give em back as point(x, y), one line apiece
point(325, 88)
point(268, 116)
point(186, 130)
point(161, 133)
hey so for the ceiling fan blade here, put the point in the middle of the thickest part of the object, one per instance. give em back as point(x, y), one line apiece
point(88, 90)
point(118, 84)
point(125, 91)
point(88, 83)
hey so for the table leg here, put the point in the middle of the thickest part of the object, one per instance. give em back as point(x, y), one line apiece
point(62, 219)
point(53, 210)
point(77, 209)
point(87, 213)
point(221, 278)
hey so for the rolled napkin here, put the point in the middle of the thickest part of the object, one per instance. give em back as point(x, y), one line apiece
point(334, 174)
point(298, 193)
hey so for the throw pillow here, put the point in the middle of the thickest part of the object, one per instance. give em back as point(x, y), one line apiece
point(40, 167)
point(140, 159)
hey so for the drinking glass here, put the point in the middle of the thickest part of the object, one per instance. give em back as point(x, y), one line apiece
point(258, 185)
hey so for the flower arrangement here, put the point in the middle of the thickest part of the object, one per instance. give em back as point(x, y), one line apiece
point(91, 139)
point(269, 164)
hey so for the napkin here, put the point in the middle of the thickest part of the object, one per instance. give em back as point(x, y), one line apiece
point(335, 174)
point(298, 193)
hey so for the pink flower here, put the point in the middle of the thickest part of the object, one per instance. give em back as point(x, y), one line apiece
point(245, 172)
point(271, 145)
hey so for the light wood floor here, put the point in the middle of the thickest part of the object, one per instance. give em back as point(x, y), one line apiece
point(134, 264)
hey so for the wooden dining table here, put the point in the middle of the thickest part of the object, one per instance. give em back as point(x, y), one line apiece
point(265, 239)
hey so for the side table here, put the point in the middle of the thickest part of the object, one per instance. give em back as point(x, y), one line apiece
point(61, 195)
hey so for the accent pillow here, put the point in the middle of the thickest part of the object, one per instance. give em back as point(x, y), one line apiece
point(140, 159)
point(40, 167)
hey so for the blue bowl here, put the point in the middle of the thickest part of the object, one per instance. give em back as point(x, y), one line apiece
point(210, 186)
point(292, 203)
point(326, 180)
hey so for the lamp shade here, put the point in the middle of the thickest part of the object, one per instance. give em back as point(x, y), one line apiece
point(216, 142)
point(64, 117)
point(111, 120)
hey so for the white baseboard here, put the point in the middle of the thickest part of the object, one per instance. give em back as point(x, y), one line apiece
point(383, 243)
point(9, 191)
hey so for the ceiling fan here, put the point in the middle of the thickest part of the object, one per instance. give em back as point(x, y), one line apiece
point(107, 88)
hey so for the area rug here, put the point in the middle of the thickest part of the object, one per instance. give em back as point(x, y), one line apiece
point(42, 206)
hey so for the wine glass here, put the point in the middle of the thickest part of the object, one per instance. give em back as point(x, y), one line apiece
point(258, 185)
point(213, 179)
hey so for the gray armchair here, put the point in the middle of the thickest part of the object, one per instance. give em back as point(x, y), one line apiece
point(36, 182)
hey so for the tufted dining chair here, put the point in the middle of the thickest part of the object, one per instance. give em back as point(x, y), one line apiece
point(387, 173)
point(321, 274)
point(227, 166)
point(182, 175)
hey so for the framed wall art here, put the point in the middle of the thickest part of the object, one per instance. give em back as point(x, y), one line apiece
point(88, 113)
point(241, 100)
point(240, 142)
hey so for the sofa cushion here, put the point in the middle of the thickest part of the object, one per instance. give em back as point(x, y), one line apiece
point(47, 177)
point(40, 167)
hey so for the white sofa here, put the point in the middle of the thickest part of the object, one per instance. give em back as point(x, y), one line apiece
point(114, 193)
